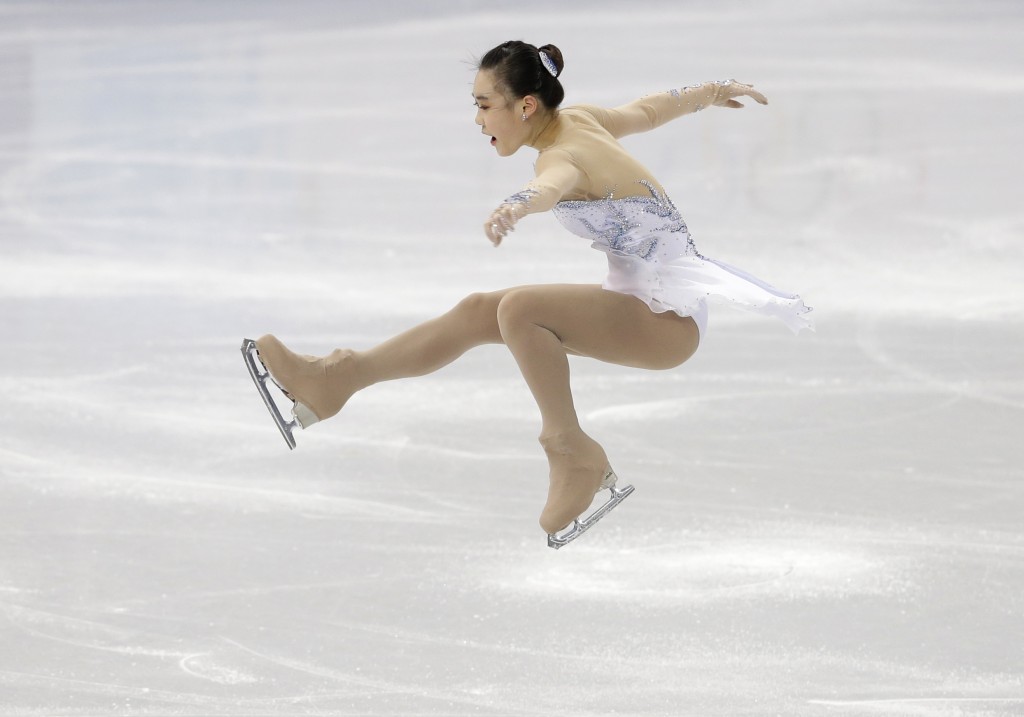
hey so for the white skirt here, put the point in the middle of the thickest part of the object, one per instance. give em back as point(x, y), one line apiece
point(685, 284)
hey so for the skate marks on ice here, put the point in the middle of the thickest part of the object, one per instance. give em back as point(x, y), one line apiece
point(266, 674)
point(135, 649)
point(928, 706)
point(406, 696)
point(731, 553)
point(971, 364)
point(734, 561)
point(130, 641)
point(215, 674)
point(79, 476)
point(734, 582)
point(224, 669)
point(162, 447)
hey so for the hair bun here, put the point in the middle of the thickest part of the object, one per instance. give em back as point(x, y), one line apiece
point(556, 56)
point(520, 70)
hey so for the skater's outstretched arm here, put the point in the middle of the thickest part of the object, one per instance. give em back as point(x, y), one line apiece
point(587, 166)
point(652, 111)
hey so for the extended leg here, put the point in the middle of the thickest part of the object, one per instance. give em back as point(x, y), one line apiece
point(320, 387)
point(433, 344)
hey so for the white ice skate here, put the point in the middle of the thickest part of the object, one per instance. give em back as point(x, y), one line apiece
point(582, 525)
point(260, 376)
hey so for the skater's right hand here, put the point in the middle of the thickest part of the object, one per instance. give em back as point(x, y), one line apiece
point(501, 222)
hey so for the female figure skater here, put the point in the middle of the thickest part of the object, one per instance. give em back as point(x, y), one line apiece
point(649, 313)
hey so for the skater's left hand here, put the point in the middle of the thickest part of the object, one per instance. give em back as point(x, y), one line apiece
point(726, 93)
point(501, 222)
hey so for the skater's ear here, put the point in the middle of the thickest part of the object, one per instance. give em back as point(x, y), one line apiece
point(528, 105)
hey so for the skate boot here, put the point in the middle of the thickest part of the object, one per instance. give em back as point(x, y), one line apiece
point(573, 503)
point(572, 491)
point(314, 384)
point(317, 387)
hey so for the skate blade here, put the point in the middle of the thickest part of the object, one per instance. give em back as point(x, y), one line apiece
point(579, 527)
point(260, 376)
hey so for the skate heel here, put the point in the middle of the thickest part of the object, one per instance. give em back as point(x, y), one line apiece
point(610, 479)
point(304, 416)
point(582, 525)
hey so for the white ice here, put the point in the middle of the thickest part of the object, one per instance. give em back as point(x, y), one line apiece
point(823, 525)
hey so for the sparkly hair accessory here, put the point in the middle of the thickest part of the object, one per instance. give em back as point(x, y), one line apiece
point(548, 63)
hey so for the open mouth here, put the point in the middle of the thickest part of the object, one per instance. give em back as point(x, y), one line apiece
point(494, 141)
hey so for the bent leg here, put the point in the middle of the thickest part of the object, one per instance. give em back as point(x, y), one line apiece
point(540, 324)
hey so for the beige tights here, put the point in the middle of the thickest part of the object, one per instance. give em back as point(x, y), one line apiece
point(540, 325)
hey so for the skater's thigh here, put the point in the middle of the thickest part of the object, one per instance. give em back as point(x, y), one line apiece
point(602, 324)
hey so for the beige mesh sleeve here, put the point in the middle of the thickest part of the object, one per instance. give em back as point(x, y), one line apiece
point(652, 111)
point(558, 175)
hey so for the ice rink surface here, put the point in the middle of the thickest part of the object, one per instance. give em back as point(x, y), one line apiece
point(823, 525)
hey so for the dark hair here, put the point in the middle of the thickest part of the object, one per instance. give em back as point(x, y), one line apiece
point(519, 71)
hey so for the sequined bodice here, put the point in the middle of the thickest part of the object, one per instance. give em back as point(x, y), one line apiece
point(646, 227)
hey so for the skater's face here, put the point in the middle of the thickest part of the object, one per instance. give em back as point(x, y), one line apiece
point(498, 117)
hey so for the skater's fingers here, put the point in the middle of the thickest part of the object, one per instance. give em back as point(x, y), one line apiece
point(502, 221)
point(731, 89)
point(757, 96)
point(494, 232)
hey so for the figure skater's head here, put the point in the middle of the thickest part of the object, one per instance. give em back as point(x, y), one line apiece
point(520, 69)
point(516, 91)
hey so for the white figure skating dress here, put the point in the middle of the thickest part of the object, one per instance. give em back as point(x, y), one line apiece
point(651, 256)
point(600, 192)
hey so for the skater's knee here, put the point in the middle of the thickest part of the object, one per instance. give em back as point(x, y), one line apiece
point(473, 304)
point(516, 308)
point(478, 311)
